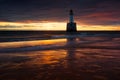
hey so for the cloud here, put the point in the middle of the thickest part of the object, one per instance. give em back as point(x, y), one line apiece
point(106, 13)
point(93, 12)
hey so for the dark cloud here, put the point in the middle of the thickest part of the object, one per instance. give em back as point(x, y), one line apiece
point(98, 12)
point(106, 13)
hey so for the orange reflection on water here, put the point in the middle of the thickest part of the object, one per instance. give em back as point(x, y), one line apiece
point(31, 43)
point(46, 57)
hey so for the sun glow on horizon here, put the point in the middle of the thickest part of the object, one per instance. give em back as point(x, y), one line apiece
point(51, 26)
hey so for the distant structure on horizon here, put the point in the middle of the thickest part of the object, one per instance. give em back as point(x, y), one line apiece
point(71, 25)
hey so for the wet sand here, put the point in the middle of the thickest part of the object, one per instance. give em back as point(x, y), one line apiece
point(74, 58)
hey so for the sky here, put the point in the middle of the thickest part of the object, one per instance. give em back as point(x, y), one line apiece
point(54, 14)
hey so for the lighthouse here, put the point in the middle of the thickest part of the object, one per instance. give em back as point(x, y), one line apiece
point(71, 25)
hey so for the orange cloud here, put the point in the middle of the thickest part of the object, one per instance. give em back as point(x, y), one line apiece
point(51, 26)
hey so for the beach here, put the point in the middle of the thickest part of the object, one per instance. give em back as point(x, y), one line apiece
point(63, 56)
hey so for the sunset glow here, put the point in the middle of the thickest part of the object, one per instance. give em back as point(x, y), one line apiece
point(51, 26)
point(59, 39)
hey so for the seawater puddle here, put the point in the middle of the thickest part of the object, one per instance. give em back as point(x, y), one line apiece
point(31, 43)
point(77, 42)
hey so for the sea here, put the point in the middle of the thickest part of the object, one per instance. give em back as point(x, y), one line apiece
point(59, 55)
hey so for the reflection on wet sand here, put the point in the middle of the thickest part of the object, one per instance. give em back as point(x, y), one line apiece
point(30, 43)
point(69, 62)
point(23, 46)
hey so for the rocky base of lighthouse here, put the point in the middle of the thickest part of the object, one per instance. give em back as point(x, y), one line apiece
point(71, 27)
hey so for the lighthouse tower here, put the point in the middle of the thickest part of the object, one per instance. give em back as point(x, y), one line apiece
point(71, 25)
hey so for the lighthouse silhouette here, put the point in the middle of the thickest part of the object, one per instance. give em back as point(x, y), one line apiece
point(71, 25)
